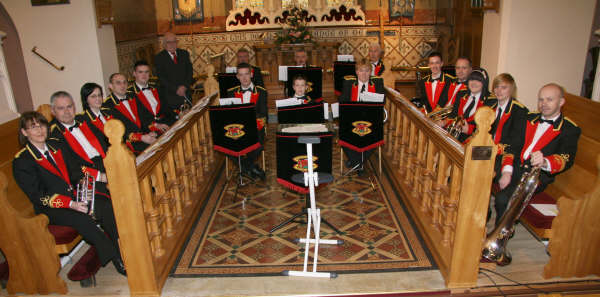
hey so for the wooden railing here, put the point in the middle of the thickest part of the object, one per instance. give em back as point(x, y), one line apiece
point(445, 185)
point(157, 200)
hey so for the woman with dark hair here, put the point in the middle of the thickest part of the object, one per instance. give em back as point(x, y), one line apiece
point(48, 175)
point(91, 101)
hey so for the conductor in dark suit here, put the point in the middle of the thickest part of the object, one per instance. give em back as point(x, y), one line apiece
point(352, 88)
point(175, 73)
point(547, 140)
point(48, 174)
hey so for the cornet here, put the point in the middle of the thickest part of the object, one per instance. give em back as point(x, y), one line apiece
point(86, 192)
point(455, 128)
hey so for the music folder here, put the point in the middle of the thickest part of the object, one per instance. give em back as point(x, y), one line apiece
point(301, 113)
point(234, 129)
point(340, 70)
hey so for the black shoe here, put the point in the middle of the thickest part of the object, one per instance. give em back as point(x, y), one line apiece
point(119, 266)
point(259, 173)
point(88, 282)
point(348, 164)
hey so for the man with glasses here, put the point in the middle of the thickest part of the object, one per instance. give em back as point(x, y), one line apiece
point(175, 73)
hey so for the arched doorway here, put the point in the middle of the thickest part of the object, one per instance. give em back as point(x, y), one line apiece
point(15, 63)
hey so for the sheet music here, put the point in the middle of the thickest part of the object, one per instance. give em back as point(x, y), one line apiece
point(335, 110)
point(288, 102)
point(326, 110)
point(283, 73)
point(345, 58)
point(371, 97)
point(549, 210)
point(230, 69)
point(305, 128)
point(230, 101)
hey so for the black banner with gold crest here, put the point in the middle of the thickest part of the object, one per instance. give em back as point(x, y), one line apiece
point(234, 129)
point(314, 75)
point(292, 157)
point(361, 125)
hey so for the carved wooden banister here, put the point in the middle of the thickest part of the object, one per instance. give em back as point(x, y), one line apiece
point(157, 200)
point(445, 185)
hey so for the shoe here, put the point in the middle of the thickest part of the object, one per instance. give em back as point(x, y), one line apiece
point(259, 173)
point(348, 164)
point(119, 266)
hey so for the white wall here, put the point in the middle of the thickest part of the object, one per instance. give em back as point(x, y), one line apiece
point(67, 35)
point(538, 41)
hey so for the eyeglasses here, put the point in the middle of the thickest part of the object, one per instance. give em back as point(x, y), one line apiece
point(37, 126)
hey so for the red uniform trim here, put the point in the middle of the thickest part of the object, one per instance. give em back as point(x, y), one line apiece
point(237, 154)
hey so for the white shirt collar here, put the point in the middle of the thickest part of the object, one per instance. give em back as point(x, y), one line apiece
point(251, 86)
point(553, 118)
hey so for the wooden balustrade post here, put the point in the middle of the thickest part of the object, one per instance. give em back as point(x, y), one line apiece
point(198, 153)
point(183, 174)
point(419, 165)
point(209, 136)
point(411, 154)
point(404, 140)
point(437, 187)
point(428, 176)
point(174, 185)
point(129, 213)
point(189, 162)
point(451, 205)
point(204, 143)
point(397, 134)
point(163, 198)
point(480, 154)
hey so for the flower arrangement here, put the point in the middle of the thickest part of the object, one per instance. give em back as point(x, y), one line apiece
point(294, 28)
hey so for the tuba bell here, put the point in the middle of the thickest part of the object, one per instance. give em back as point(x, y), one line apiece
point(494, 247)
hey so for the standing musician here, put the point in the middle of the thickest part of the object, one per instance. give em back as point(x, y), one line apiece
point(124, 108)
point(47, 174)
point(433, 88)
point(375, 54)
point(243, 56)
point(257, 95)
point(353, 87)
point(547, 140)
point(300, 86)
point(155, 115)
point(83, 141)
point(91, 101)
point(463, 114)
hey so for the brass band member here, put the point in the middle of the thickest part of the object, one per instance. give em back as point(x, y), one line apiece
point(300, 86)
point(433, 89)
point(243, 56)
point(47, 173)
point(463, 68)
point(547, 139)
point(375, 58)
point(91, 101)
point(510, 113)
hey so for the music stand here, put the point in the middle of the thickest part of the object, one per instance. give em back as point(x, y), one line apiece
point(314, 76)
point(234, 132)
point(361, 128)
point(226, 82)
point(311, 179)
point(341, 70)
point(304, 113)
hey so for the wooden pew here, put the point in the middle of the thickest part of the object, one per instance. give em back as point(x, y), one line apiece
point(574, 234)
point(157, 201)
point(442, 184)
point(27, 244)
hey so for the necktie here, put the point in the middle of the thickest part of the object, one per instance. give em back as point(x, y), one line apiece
point(471, 105)
point(174, 57)
point(50, 159)
point(497, 120)
point(362, 90)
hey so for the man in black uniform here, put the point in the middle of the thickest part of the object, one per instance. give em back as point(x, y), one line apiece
point(243, 56)
point(257, 95)
point(48, 175)
point(432, 90)
point(375, 53)
point(548, 140)
point(301, 58)
point(125, 109)
point(352, 88)
point(175, 73)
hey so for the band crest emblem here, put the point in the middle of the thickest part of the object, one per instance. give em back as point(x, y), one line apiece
point(302, 163)
point(234, 131)
point(361, 128)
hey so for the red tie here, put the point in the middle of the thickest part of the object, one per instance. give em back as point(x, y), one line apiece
point(174, 57)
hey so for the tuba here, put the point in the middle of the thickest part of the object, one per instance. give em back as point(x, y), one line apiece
point(494, 247)
point(86, 192)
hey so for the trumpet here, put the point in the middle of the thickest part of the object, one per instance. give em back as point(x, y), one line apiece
point(86, 192)
point(440, 114)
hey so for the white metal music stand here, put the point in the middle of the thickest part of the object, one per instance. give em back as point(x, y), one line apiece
point(311, 179)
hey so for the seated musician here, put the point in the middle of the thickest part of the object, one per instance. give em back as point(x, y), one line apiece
point(300, 86)
point(432, 90)
point(301, 58)
point(375, 54)
point(48, 175)
point(463, 68)
point(353, 87)
point(510, 113)
point(547, 139)
point(125, 108)
point(83, 141)
point(463, 114)
point(243, 56)
point(257, 95)
point(91, 101)
point(154, 113)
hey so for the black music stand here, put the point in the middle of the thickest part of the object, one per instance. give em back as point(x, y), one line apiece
point(304, 113)
point(226, 82)
point(292, 163)
point(234, 132)
point(314, 76)
point(340, 71)
point(361, 128)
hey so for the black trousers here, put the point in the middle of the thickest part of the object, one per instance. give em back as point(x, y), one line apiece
point(249, 159)
point(502, 198)
point(107, 246)
point(356, 157)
